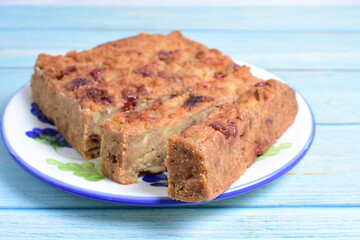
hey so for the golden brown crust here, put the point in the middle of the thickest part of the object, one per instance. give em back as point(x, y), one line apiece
point(147, 65)
point(208, 157)
point(122, 75)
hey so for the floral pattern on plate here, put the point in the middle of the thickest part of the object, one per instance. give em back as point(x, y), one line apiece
point(48, 136)
point(35, 110)
point(156, 180)
point(90, 171)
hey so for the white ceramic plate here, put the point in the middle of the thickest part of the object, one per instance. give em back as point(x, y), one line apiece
point(38, 148)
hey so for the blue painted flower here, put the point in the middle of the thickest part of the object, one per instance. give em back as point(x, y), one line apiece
point(49, 137)
point(35, 110)
point(156, 180)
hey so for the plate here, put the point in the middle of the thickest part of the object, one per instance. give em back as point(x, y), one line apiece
point(35, 145)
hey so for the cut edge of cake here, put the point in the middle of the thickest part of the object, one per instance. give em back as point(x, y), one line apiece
point(136, 142)
point(207, 158)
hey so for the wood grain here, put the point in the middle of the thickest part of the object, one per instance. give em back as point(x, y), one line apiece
point(315, 49)
point(250, 18)
point(268, 49)
point(215, 223)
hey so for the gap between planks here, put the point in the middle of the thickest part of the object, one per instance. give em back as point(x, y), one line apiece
point(161, 30)
point(198, 206)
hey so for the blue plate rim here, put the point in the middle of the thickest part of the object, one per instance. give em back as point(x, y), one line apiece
point(152, 201)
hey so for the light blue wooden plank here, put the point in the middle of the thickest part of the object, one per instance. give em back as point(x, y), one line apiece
point(295, 18)
point(327, 176)
point(333, 95)
point(310, 202)
point(267, 49)
point(217, 223)
point(10, 82)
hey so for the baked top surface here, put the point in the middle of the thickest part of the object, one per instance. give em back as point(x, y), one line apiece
point(200, 96)
point(141, 67)
point(260, 100)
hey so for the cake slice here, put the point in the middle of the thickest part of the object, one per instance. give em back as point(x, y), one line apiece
point(207, 158)
point(135, 142)
point(80, 90)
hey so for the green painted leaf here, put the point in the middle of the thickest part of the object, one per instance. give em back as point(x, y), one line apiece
point(53, 162)
point(284, 145)
point(65, 168)
point(80, 174)
point(88, 170)
point(52, 139)
point(89, 166)
point(273, 150)
point(93, 179)
point(261, 157)
point(74, 166)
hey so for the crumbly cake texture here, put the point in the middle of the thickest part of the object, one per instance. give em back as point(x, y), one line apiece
point(207, 158)
point(135, 142)
point(80, 90)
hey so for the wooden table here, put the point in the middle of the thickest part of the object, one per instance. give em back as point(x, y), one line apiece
point(315, 49)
